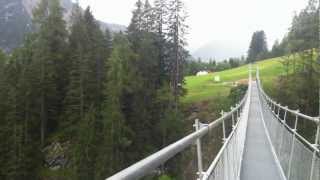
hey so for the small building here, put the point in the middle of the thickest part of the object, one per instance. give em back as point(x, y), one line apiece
point(217, 79)
point(202, 73)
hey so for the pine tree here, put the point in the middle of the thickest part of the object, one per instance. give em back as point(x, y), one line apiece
point(258, 47)
point(50, 56)
point(119, 79)
point(90, 49)
point(75, 100)
point(148, 17)
point(136, 21)
point(84, 151)
point(161, 16)
point(176, 37)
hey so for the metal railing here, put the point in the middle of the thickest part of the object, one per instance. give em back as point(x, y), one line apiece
point(227, 164)
point(298, 157)
point(221, 166)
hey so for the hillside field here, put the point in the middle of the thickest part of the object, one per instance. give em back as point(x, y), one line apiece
point(201, 88)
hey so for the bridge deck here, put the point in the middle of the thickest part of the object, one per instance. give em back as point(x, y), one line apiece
point(258, 161)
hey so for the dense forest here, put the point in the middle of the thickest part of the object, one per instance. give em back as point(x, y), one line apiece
point(95, 95)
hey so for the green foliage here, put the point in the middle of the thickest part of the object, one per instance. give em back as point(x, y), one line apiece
point(165, 177)
point(301, 77)
point(237, 93)
point(192, 67)
point(258, 49)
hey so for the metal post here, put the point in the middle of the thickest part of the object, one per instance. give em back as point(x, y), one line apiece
point(237, 114)
point(233, 122)
point(315, 152)
point(292, 145)
point(279, 108)
point(199, 152)
point(285, 115)
point(225, 160)
point(282, 130)
point(223, 128)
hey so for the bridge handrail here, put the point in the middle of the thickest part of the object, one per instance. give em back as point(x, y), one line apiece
point(232, 134)
point(295, 112)
point(315, 120)
point(275, 108)
point(152, 162)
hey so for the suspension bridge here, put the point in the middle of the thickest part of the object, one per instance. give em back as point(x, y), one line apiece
point(263, 144)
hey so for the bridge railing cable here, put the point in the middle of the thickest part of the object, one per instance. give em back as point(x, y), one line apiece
point(226, 164)
point(298, 155)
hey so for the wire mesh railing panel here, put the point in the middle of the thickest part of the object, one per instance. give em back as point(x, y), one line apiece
point(301, 162)
point(296, 151)
point(285, 148)
point(316, 174)
point(211, 144)
point(227, 164)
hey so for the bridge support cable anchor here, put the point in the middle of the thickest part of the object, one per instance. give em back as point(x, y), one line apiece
point(292, 145)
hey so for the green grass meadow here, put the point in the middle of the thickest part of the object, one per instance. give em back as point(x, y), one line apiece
point(200, 88)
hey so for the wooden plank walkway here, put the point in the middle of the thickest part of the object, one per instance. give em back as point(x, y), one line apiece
point(258, 160)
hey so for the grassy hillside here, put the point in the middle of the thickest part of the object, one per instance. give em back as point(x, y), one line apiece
point(204, 87)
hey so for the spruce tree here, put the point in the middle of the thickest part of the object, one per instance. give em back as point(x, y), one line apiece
point(119, 82)
point(177, 30)
point(50, 56)
point(258, 47)
point(161, 15)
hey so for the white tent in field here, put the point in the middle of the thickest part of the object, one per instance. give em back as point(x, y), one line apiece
point(202, 73)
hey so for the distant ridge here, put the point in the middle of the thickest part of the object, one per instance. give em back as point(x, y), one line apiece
point(16, 21)
point(219, 51)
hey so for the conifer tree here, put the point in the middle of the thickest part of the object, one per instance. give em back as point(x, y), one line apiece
point(161, 15)
point(118, 136)
point(75, 100)
point(177, 30)
point(148, 17)
point(258, 47)
point(50, 56)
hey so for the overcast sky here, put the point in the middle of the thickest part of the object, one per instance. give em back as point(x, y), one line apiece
point(231, 21)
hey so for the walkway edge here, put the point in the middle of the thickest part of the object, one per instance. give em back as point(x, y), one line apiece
point(271, 145)
point(247, 109)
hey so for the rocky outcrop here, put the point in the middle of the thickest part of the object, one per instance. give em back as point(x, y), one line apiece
point(15, 22)
point(56, 155)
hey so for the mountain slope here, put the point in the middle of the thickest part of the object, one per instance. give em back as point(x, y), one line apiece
point(220, 50)
point(16, 21)
point(200, 88)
